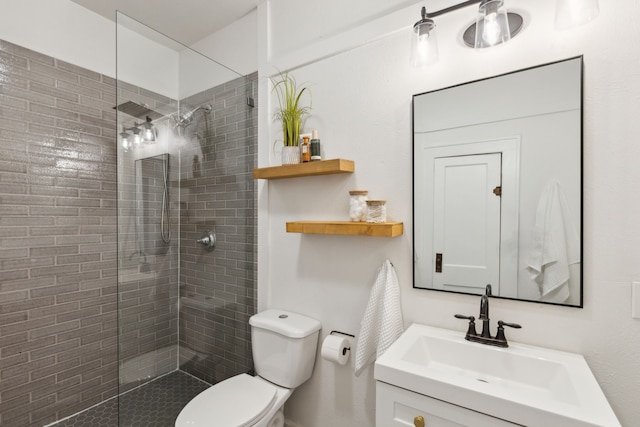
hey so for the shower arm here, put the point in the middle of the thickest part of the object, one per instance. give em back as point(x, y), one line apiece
point(206, 108)
point(186, 118)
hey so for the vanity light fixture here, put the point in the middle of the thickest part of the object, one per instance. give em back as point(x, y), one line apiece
point(493, 26)
point(137, 136)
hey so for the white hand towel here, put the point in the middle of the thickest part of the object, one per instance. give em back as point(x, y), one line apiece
point(555, 245)
point(382, 323)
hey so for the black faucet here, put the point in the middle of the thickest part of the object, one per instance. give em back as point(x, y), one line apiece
point(484, 312)
point(485, 337)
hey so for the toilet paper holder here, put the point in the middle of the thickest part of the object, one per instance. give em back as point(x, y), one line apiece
point(344, 350)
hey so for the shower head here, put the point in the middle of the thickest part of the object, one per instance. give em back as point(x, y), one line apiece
point(136, 110)
point(186, 118)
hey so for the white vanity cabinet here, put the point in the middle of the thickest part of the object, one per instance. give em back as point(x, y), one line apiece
point(397, 407)
point(439, 375)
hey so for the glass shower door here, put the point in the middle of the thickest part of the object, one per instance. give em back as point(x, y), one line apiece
point(186, 149)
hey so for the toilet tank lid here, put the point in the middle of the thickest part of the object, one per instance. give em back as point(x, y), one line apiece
point(292, 325)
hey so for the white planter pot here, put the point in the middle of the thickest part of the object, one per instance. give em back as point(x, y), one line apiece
point(290, 155)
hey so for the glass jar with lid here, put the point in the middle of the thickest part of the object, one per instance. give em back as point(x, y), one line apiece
point(358, 205)
point(376, 211)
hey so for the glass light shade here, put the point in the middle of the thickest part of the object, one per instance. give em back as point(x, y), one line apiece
point(571, 13)
point(424, 44)
point(148, 135)
point(492, 26)
point(148, 132)
point(136, 138)
point(126, 144)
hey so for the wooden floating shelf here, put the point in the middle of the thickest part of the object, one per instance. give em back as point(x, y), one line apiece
point(347, 228)
point(323, 167)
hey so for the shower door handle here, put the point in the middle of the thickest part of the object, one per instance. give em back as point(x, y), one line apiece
point(208, 240)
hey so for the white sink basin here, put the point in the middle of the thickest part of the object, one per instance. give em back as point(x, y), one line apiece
point(524, 384)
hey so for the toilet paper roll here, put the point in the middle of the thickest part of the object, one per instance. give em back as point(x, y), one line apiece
point(336, 349)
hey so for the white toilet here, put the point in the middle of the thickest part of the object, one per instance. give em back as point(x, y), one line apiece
point(284, 351)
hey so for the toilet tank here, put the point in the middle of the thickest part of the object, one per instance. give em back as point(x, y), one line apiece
point(284, 346)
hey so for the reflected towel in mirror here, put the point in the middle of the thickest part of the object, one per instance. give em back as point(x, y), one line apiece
point(555, 245)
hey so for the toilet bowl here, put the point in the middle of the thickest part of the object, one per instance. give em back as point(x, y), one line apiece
point(284, 347)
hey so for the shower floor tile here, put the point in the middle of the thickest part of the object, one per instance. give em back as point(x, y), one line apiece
point(155, 404)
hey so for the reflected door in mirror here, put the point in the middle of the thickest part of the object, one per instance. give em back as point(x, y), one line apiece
point(466, 222)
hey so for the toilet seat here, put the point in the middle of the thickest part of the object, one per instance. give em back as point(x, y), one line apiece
point(238, 401)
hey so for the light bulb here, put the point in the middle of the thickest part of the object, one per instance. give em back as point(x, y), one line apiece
point(126, 144)
point(136, 138)
point(148, 135)
point(491, 30)
point(424, 43)
point(492, 26)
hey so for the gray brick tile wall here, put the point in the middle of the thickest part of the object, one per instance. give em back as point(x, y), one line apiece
point(218, 289)
point(59, 194)
point(58, 332)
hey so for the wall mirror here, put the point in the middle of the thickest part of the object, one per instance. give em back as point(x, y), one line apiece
point(497, 185)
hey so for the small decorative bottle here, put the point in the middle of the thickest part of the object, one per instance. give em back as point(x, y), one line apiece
point(306, 150)
point(315, 147)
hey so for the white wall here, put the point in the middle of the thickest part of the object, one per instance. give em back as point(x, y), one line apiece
point(362, 108)
point(62, 29)
point(234, 46)
point(234, 51)
point(151, 60)
point(146, 63)
point(72, 33)
point(69, 32)
point(199, 73)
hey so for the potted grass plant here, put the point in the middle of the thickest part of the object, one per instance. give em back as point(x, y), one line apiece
point(291, 113)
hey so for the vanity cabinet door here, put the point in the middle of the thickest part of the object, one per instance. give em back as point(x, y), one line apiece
point(397, 407)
